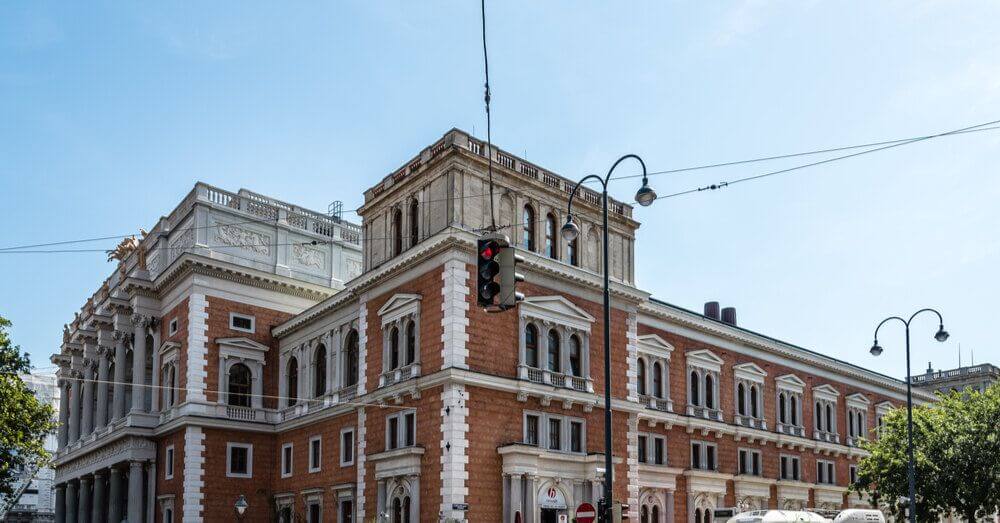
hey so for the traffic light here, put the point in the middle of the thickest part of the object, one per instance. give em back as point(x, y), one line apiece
point(487, 282)
point(509, 278)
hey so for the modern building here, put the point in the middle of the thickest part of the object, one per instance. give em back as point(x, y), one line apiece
point(264, 357)
point(33, 500)
point(975, 377)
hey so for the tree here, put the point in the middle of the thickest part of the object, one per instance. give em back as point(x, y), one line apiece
point(24, 420)
point(956, 448)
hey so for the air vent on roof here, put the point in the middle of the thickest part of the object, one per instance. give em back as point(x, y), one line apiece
point(712, 309)
point(729, 315)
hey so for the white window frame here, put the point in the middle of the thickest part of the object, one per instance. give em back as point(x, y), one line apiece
point(315, 467)
point(229, 460)
point(253, 322)
point(650, 448)
point(309, 502)
point(826, 472)
point(401, 429)
point(703, 455)
point(852, 473)
point(794, 463)
point(287, 460)
point(748, 454)
point(548, 313)
point(172, 327)
point(353, 446)
point(565, 432)
point(168, 459)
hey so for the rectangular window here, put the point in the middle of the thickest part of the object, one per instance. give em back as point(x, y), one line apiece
point(169, 463)
point(531, 429)
point(392, 439)
point(750, 462)
point(346, 511)
point(315, 514)
point(576, 436)
point(239, 460)
point(854, 474)
point(710, 457)
point(555, 434)
point(241, 322)
point(642, 449)
point(793, 468)
point(410, 420)
point(696, 455)
point(315, 453)
point(286, 460)
point(172, 327)
point(401, 430)
point(659, 456)
point(347, 447)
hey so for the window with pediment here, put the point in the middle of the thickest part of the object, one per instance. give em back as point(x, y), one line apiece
point(881, 410)
point(703, 368)
point(554, 343)
point(825, 413)
point(749, 387)
point(400, 317)
point(169, 360)
point(653, 372)
point(789, 405)
point(857, 418)
point(241, 374)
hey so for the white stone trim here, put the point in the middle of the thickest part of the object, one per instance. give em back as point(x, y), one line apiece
point(398, 306)
point(169, 462)
point(197, 348)
point(633, 344)
point(454, 445)
point(749, 371)
point(825, 392)
point(362, 348)
point(652, 344)
point(704, 359)
point(315, 467)
point(858, 401)
point(290, 461)
point(354, 446)
point(253, 322)
point(790, 382)
point(360, 457)
point(632, 463)
point(194, 474)
point(556, 309)
point(455, 319)
point(229, 455)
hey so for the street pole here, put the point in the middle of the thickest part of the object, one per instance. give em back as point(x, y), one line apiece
point(645, 196)
point(876, 349)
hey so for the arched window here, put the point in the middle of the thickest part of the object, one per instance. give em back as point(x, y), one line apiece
point(575, 356)
point(292, 384)
point(795, 411)
point(550, 236)
point(829, 419)
point(393, 348)
point(753, 401)
point(644, 514)
point(571, 253)
point(697, 515)
point(782, 415)
point(819, 416)
point(695, 388)
point(707, 516)
point(239, 386)
point(740, 400)
point(860, 424)
point(397, 231)
point(411, 342)
point(351, 359)
point(657, 380)
point(406, 509)
point(528, 228)
point(319, 371)
point(397, 511)
point(531, 346)
point(414, 223)
point(554, 363)
point(709, 392)
point(850, 424)
point(170, 390)
point(655, 514)
point(640, 385)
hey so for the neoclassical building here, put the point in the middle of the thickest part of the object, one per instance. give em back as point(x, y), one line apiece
point(249, 352)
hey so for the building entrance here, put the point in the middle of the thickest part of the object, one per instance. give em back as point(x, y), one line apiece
point(550, 515)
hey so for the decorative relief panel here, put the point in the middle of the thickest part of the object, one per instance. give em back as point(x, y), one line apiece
point(353, 269)
point(250, 241)
point(308, 256)
point(183, 242)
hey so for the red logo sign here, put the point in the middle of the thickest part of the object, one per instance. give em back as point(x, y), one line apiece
point(585, 513)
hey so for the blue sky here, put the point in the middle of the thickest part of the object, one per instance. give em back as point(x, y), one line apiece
point(109, 112)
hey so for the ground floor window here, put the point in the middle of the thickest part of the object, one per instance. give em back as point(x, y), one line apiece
point(346, 511)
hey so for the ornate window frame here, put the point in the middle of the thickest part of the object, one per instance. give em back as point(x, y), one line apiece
point(248, 352)
point(881, 409)
point(825, 396)
point(555, 313)
point(753, 379)
point(653, 349)
point(787, 387)
point(857, 418)
point(565, 432)
point(169, 358)
point(399, 312)
point(703, 363)
point(229, 456)
point(287, 460)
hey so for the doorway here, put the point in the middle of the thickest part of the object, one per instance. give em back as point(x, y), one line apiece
point(550, 515)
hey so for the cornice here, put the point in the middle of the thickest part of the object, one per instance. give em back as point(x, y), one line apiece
point(189, 263)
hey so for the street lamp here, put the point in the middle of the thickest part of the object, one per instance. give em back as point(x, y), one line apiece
point(941, 335)
point(570, 231)
point(241, 506)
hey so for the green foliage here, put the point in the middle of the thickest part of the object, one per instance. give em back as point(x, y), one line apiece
point(24, 420)
point(956, 455)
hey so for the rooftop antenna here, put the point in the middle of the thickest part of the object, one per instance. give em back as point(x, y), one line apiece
point(960, 355)
point(335, 210)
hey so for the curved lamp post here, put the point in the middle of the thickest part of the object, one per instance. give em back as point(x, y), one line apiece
point(570, 231)
point(941, 335)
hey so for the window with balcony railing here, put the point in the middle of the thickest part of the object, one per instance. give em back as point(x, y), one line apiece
point(554, 353)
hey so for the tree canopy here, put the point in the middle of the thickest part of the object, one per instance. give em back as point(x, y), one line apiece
point(956, 454)
point(24, 420)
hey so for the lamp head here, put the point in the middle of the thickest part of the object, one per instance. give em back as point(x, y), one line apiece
point(570, 230)
point(645, 195)
point(876, 349)
point(941, 335)
point(241, 505)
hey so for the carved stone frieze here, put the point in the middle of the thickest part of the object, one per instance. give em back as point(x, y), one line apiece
point(250, 241)
point(308, 257)
point(128, 449)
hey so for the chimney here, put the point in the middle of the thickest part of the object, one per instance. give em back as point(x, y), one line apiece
point(930, 370)
point(729, 315)
point(712, 309)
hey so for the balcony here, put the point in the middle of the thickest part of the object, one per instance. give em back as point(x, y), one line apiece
point(753, 423)
point(791, 430)
point(704, 412)
point(829, 437)
point(855, 441)
point(399, 374)
point(652, 402)
point(556, 379)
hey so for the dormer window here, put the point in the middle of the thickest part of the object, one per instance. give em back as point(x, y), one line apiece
point(703, 382)
point(565, 330)
point(749, 395)
point(789, 400)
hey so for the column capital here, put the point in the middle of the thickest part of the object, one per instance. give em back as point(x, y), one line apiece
point(120, 335)
point(105, 350)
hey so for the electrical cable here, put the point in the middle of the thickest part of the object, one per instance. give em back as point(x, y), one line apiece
point(489, 137)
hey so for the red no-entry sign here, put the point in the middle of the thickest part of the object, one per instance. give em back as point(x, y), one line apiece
point(585, 513)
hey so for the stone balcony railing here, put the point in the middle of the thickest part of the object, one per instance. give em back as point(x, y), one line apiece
point(829, 437)
point(399, 374)
point(652, 402)
point(751, 422)
point(556, 379)
point(704, 412)
point(791, 430)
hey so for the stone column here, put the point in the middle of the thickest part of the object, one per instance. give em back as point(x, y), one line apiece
point(139, 323)
point(101, 416)
point(670, 506)
point(83, 507)
point(414, 498)
point(60, 503)
point(99, 508)
point(74, 407)
point(71, 501)
point(63, 415)
point(115, 496)
point(516, 496)
point(135, 493)
point(118, 402)
point(87, 422)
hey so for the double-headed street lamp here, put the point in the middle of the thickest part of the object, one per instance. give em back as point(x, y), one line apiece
point(570, 232)
point(941, 335)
